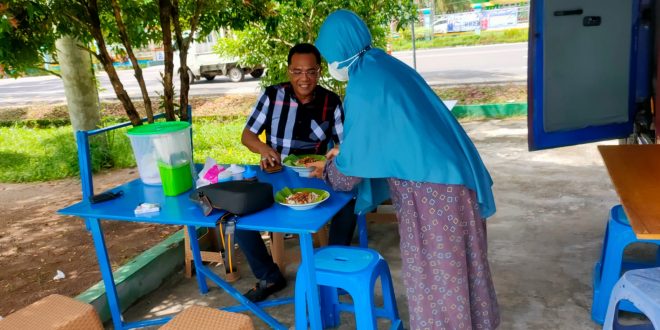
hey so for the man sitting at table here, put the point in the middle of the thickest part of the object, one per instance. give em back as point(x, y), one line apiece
point(299, 117)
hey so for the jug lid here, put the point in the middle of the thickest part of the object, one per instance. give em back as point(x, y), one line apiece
point(162, 127)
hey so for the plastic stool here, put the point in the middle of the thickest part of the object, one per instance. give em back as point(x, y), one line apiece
point(207, 318)
point(641, 287)
point(354, 270)
point(608, 269)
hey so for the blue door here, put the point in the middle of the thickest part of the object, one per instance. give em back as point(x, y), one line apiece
point(581, 71)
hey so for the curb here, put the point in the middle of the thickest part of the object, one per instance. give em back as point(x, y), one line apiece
point(422, 50)
point(498, 110)
point(140, 276)
point(490, 110)
point(446, 84)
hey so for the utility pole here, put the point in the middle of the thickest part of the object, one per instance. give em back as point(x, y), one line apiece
point(413, 44)
point(433, 18)
point(432, 5)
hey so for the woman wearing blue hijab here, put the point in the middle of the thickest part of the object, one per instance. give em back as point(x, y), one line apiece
point(401, 142)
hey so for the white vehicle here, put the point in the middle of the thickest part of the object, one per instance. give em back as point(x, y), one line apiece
point(204, 62)
point(440, 26)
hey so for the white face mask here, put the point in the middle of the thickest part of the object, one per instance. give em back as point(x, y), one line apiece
point(341, 74)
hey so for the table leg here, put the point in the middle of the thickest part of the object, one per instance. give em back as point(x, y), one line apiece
point(197, 259)
point(313, 303)
point(362, 230)
point(106, 271)
point(329, 312)
point(277, 251)
point(272, 322)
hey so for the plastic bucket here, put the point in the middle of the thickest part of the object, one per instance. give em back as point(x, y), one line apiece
point(163, 154)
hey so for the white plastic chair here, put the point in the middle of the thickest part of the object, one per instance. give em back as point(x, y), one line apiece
point(641, 287)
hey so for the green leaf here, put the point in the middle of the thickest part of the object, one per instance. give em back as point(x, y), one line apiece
point(290, 160)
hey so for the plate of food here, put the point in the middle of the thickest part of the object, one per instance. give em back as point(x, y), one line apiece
point(301, 198)
point(297, 163)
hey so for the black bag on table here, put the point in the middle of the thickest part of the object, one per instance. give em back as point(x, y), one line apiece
point(237, 197)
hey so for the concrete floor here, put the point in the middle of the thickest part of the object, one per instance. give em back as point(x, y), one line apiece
point(543, 240)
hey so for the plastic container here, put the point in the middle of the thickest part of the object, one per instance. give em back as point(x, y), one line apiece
point(224, 176)
point(249, 174)
point(145, 157)
point(163, 153)
point(175, 178)
point(236, 172)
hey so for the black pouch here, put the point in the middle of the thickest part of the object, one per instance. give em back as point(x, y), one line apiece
point(237, 197)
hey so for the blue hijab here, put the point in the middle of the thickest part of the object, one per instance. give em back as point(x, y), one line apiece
point(395, 125)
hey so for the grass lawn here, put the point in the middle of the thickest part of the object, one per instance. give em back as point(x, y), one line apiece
point(38, 144)
point(460, 39)
point(43, 154)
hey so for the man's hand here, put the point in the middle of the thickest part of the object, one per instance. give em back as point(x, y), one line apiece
point(269, 157)
point(317, 169)
point(332, 153)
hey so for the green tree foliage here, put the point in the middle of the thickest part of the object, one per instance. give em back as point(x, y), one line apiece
point(201, 17)
point(289, 22)
point(26, 34)
point(29, 28)
point(452, 6)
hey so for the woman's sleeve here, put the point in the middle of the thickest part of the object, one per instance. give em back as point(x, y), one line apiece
point(338, 181)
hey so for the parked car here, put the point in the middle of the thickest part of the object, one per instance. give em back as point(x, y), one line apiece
point(203, 62)
point(440, 26)
point(217, 67)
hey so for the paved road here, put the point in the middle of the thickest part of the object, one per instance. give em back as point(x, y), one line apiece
point(446, 66)
point(471, 65)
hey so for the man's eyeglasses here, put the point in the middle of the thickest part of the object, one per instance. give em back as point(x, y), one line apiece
point(312, 73)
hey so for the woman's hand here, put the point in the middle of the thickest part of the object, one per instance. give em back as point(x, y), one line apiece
point(332, 153)
point(269, 157)
point(317, 169)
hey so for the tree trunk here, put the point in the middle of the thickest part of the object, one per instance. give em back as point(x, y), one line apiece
point(165, 7)
point(79, 84)
point(184, 45)
point(105, 59)
point(185, 84)
point(136, 67)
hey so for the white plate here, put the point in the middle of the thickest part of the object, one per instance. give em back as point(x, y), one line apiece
point(302, 207)
point(302, 171)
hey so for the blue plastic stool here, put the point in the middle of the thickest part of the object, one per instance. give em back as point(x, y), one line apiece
point(608, 269)
point(354, 270)
point(641, 287)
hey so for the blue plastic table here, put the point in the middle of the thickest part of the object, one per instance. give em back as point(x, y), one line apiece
point(180, 210)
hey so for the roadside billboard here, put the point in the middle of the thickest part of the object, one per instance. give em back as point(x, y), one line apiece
point(502, 18)
point(461, 22)
point(482, 20)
